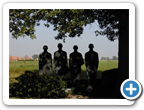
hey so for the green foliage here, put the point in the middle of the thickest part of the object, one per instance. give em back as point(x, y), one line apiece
point(23, 21)
point(28, 83)
point(69, 22)
point(107, 58)
point(31, 85)
point(35, 56)
point(81, 87)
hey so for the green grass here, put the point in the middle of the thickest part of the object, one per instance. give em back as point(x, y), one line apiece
point(103, 66)
point(20, 65)
point(18, 68)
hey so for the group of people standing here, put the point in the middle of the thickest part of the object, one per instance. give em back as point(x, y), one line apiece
point(75, 62)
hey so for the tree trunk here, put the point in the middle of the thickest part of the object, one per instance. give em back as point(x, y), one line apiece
point(123, 66)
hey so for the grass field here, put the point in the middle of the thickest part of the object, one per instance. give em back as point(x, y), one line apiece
point(18, 68)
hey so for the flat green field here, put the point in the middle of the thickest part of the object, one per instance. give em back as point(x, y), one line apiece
point(18, 68)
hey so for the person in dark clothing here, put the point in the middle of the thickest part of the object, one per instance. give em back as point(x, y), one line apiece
point(45, 62)
point(60, 61)
point(91, 62)
point(75, 63)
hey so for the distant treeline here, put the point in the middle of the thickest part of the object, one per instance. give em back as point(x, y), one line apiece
point(107, 58)
point(102, 58)
point(36, 56)
point(26, 60)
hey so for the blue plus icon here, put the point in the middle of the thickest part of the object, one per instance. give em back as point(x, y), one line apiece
point(130, 89)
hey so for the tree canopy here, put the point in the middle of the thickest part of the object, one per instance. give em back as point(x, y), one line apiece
point(69, 22)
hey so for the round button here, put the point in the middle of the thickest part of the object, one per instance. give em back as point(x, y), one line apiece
point(131, 89)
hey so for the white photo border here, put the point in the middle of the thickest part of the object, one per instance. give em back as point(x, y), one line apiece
point(8, 6)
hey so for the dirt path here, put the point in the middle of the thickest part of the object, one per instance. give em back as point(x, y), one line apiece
point(70, 96)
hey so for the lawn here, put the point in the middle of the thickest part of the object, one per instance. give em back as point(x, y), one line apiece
point(18, 68)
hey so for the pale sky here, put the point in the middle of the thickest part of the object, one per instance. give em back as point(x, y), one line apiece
point(45, 36)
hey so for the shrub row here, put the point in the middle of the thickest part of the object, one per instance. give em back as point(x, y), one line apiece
point(31, 85)
point(27, 60)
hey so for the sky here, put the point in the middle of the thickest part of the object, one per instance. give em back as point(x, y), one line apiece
point(45, 36)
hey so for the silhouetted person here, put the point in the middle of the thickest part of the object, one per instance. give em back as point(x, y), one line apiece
point(91, 62)
point(45, 62)
point(75, 63)
point(60, 61)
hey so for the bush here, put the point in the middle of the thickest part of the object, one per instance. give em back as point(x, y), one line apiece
point(109, 77)
point(81, 87)
point(98, 88)
point(31, 85)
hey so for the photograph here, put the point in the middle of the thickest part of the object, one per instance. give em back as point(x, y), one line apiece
point(68, 53)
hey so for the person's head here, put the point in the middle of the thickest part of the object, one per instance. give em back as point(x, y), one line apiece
point(91, 46)
point(45, 47)
point(75, 47)
point(60, 46)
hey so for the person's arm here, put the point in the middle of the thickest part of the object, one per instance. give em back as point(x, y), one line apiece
point(97, 60)
point(40, 62)
point(66, 59)
point(51, 58)
point(55, 60)
point(70, 61)
point(81, 60)
point(86, 60)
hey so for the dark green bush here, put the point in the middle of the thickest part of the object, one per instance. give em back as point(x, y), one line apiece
point(31, 85)
point(81, 87)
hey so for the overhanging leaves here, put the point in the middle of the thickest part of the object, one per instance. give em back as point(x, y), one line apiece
point(69, 22)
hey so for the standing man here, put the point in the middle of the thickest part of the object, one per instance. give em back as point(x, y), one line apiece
point(45, 62)
point(60, 61)
point(75, 63)
point(91, 62)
